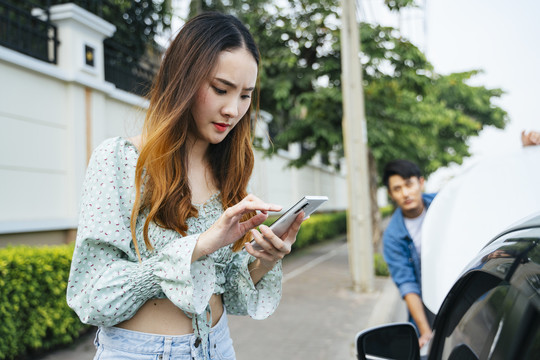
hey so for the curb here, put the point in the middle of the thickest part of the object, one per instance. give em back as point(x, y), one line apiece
point(388, 307)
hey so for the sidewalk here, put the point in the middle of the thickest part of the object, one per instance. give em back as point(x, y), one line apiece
point(318, 317)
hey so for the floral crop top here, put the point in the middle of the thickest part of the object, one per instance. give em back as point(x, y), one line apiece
point(107, 284)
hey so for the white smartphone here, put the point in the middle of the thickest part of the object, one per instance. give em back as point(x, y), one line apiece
point(308, 203)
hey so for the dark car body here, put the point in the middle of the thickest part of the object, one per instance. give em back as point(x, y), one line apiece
point(491, 312)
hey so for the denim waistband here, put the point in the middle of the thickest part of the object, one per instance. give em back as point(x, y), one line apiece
point(146, 343)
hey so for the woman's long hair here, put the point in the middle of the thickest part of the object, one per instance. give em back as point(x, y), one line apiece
point(161, 181)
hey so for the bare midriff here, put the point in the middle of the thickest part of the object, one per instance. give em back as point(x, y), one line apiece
point(161, 316)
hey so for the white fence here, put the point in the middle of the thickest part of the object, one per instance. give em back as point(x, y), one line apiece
point(52, 116)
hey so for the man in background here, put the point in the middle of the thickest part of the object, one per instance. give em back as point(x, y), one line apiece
point(402, 239)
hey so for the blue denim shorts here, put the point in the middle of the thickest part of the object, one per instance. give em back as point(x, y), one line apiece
point(114, 343)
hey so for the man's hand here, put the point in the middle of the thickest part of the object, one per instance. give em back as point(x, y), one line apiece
point(531, 138)
point(416, 308)
point(424, 338)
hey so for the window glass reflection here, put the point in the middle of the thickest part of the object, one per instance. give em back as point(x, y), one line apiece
point(478, 326)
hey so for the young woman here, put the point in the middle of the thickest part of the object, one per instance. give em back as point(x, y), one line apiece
point(158, 261)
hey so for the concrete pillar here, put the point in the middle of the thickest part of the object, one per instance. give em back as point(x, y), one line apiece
point(81, 59)
point(81, 35)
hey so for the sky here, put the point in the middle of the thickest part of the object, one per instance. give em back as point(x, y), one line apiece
point(500, 37)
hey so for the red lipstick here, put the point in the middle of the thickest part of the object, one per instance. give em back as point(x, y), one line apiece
point(221, 127)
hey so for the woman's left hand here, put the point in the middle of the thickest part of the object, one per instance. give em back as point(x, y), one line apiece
point(273, 247)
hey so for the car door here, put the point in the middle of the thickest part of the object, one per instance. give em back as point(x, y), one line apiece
point(493, 310)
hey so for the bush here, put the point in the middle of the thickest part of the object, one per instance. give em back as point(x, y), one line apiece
point(387, 210)
point(33, 305)
point(33, 282)
point(381, 268)
point(319, 227)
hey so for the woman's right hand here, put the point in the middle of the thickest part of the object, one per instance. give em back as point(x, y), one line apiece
point(229, 227)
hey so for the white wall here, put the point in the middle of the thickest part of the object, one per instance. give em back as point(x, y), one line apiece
point(52, 116)
point(33, 142)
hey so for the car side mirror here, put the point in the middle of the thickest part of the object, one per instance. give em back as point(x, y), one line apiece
point(397, 341)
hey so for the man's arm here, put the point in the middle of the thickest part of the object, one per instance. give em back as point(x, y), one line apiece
point(416, 308)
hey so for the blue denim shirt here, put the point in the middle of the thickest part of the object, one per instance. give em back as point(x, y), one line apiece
point(400, 253)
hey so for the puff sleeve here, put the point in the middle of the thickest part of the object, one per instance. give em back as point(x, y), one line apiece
point(242, 297)
point(107, 284)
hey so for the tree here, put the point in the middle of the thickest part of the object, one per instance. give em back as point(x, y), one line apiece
point(137, 22)
point(300, 70)
point(411, 111)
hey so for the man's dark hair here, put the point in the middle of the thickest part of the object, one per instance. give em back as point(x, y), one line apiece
point(404, 168)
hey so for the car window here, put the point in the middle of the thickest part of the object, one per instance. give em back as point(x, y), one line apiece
point(464, 300)
point(462, 352)
point(520, 338)
point(482, 317)
point(531, 347)
point(494, 308)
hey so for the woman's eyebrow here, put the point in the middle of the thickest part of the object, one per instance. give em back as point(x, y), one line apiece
point(232, 85)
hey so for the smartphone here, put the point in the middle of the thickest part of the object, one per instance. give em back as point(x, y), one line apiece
point(308, 203)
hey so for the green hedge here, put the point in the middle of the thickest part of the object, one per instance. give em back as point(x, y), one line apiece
point(34, 315)
point(320, 227)
point(33, 307)
point(381, 268)
point(387, 210)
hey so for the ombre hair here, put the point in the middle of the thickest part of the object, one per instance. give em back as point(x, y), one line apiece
point(161, 181)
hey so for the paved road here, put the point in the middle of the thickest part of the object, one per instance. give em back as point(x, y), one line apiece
point(318, 317)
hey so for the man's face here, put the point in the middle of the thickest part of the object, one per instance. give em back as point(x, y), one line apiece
point(407, 194)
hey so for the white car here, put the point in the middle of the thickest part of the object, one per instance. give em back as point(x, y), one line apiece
point(491, 312)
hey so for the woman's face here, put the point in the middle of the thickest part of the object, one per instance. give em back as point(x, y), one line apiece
point(225, 98)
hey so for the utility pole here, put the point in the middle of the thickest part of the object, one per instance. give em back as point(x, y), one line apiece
point(359, 234)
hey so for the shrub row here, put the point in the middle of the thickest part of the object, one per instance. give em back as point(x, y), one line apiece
point(34, 315)
point(320, 227)
point(33, 310)
point(387, 210)
point(381, 268)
